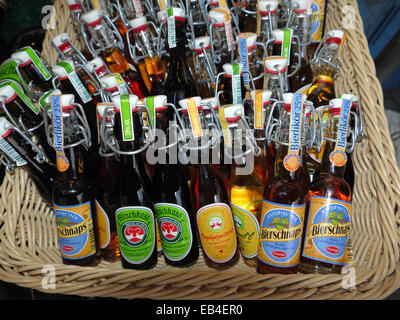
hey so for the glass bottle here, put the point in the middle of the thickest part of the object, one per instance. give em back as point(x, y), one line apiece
point(145, 43)
point(73, 195)
point(107, 45)
point(15, 147)
point(222, 38)
point(275, 79)
point(113, 85)
point(97, 68)
point(205, 67)
point(38, 75)
point(68, 51)
point(180, 83)
point(135, 216)
point(326, 65)
point(214, 218)
point(233, 89)
point(328, 218)
point(284, 202)
point(248, 16)
point(267, 19)
point(197, 18)
point(106, 200)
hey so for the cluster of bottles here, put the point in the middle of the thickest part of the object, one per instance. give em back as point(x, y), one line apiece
point(257, 156)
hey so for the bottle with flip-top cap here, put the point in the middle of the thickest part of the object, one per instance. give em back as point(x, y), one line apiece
point(197, 17)
point(275, 76)
point(328, 213)
point(267, 19)
point(113, 85)
point(326, 66)
point(73, 195)
point(69, 51)
point(135, 216)
point(283, 208)
point(248, 16)
point(97, 68)
point(233, 89)
point(106, 42)
point(142, 41)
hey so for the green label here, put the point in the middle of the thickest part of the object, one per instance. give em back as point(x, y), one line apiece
point(247, 230)
point(37, 62)
point(8, 71)
point(136, 233)
point(126, 119)
point(150, 105)
point(22, 96)
point(171, 28)
point(286, 44)
point(175, 230)
point(236, 85)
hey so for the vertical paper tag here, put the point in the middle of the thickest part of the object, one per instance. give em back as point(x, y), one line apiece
point(149, 101)
point(222, 4)
point(258, 110)
point(11, 152)
point(8, 71)
point(97, 5)
point(342, 45)
point(204, 11)
point(244, 59)
point(162, 4)
point(286, 44)
point(236, 84)
point(37, 62)
point(224, 125)
point(194, 117)
point(292, 160)
point(171, 28)
point(58, 133)
point(258, 29)
point(138, 8)
point(338, 156)
point(126, 119)
point(22, 96)
point(122, 87)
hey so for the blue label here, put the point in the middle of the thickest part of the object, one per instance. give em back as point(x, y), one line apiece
point(244, 59)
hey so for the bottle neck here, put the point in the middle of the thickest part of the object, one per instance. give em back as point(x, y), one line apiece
point(76, 168)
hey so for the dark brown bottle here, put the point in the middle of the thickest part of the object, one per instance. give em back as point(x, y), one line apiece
point(234, 90)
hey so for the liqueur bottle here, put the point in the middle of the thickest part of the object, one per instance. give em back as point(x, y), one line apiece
point(233, 87)
point(283, 208)
point(267, 19)
point(73, 195)
point(326, 62)
point(135, 216)
point(107, 45)
point(328, 213)
point(214, 218)
point(275, 76)
point(180, 83)
point(105, 184)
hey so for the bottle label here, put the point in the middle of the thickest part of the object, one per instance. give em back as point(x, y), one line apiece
point(76, 82)
point(318, 11)
point(338, 156)
point(58, 133)
point(22, 96)
point(328, 230)
point(37, 62)
point(11, 153)
point(228, 25)
point(258, 110)
point(217, 232)
point(103, 226)
point(121, 84)
point(291, 161)
point(138, 8)
point(236, 84)
point(281, 231)
point(244, 60)
point(136, 233)
point(8, 71)
point(247, 230)
point(194, 118)
point(226, 133)
point(126, 119)
point(286, 44)
point(75, 230)
point(171, 28)
point(175, 230)
point(96, 4)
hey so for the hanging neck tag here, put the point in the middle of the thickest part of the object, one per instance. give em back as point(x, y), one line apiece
point(138, 8)
point(126, 119)
point(286, 44)
point(121, 84)
point(258, 110)
point(97, 5)
point(22, 96)
point(149, 101)
point(228, 27)
point(338, 156)
point(243, 53)
point(226, 133)
point(58, 133)
point(171, 28)
point(37, 62)
point(236, 84)
point(291, 161)
point(194, 118)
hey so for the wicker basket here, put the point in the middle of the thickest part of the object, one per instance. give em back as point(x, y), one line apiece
point(28, 239)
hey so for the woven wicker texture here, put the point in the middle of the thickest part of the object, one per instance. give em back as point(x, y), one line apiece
point(28, 239)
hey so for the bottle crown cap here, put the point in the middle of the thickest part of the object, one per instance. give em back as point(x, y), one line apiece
point(265, 97)
point(275, 63)
point(59, 71)
point(91, 16)
point(228, 68)
point(268, 5)
point(133, 100)
point(138, 22)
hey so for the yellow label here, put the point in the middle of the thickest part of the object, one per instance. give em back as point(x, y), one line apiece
point(280, 236)
point(328, 230)
point(246, 208)
point(103, 226)
point(222, 3)
point(159, 244)
point(217, 232)
point(75, 230)
point(194, 118)
point(258, 30)
point(97, 5)
point(225, 129)
point(258, 110)
point(318, 19)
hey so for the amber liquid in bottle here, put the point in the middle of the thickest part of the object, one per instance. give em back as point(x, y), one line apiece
point(208, 189)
